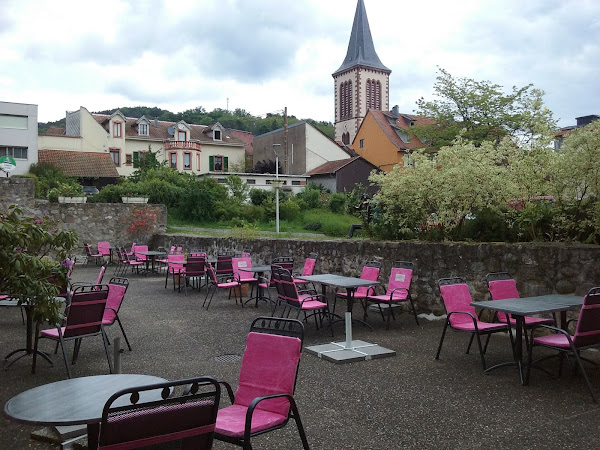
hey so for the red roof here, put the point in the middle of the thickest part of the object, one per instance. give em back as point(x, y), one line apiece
point(246, 137)
point(80, 164)
point(390, 124)
point(331, 166)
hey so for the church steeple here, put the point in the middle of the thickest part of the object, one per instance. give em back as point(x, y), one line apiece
point(361, 82)
point(361, 50)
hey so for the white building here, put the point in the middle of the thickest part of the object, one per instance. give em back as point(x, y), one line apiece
point(18, 135)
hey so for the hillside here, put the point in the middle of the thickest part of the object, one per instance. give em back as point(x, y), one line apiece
point(238, 119)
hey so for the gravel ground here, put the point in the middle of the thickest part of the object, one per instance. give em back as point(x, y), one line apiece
point(406, 401)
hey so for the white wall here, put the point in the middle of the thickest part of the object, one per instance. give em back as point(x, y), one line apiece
point(11, 137)
point(320, 149)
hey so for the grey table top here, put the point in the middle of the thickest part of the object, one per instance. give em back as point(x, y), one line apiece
point(151, 253)
point(528, 306)
point(256, 269)
point(338, 280)
point(73, 401)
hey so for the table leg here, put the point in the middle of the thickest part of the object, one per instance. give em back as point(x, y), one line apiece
point(93, 430)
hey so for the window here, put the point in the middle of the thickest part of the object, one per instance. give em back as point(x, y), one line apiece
point(295, 183)
point(173, 160)
point(346, 138)
point(218, 163)
point(115, 155)
point(217, 135)
point(221, 180)
point(346, 100)
point(138, 159)
point(143, 129)
point(128, 159)
point(187, 160)
point(17, 122)
point(117, 129)
point(15, 152)
point(250, 181)
point(182, 136)
point(362, 143)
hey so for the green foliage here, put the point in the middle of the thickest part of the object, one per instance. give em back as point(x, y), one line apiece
point(337, 203)
point(69, 189)
point(310, 197)
point(48, 177)
point(237, 187)
point(289, 210)
point(259, 196)
point(31, 249)
point(202, 200)
point(481, 111)
point(108, 194)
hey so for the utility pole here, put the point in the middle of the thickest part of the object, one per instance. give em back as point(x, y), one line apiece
point(286, 167)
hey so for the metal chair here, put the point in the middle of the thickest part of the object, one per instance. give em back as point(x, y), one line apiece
point(117, 287)
point(182, 410)
point(461, 316)
point(264, 400)
point(370, 271)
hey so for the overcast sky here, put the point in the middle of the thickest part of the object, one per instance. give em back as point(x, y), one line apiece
point(263, 55)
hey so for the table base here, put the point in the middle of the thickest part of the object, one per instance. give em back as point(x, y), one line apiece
point(24, 352)
point(339, 353)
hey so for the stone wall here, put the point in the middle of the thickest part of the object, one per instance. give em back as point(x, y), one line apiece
point(16, 191)
point(93, 221)
point(538, 268)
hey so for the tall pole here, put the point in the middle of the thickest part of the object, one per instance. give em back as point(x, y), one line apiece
point(275, 149)
point(286, 164)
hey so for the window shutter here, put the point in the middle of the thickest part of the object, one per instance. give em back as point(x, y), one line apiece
point(136, 160)
point(225, 164)
point(211, 163)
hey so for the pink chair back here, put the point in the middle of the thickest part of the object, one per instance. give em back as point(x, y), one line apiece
point(457, 297)
point(587, 331)
point(140, 248)
point(269, 366)
point(503, 289)
point(309, 266)
point(244, 262)
point(399, 282)
point(116, 294)
point(172, 262)
point(101, 274)
point(368, 273)
point(179, 250)
point(85, 311)
point(103, 248)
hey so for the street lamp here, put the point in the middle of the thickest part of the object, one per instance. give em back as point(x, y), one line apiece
point(277, 185)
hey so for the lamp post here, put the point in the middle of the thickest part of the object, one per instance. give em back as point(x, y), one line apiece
point(276, 150)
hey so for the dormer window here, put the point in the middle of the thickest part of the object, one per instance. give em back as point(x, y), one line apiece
point(181, 136)
point(217, 135)
point(143, 129)
point(117, 129)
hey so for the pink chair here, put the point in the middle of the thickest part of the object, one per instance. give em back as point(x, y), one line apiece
point(587, 335)
point(84, 319)
point(194, 271)
point(187, 415)
point(243, 277)
point(370, 271)
point(131, 252)
point(461, 316)
point(174, 266)
point(117, 287)
point(91, 255)
point(215, 282)
point(104, 249)
point(264, 400)
point(398, 291)
point(502, 286)
point(308, 269)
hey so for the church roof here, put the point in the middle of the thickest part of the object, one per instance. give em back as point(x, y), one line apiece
point(361, 50)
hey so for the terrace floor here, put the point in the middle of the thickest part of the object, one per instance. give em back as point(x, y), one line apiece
point(406, 401)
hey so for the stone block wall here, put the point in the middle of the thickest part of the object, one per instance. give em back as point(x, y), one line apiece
point(538, 268)
point(16, 191)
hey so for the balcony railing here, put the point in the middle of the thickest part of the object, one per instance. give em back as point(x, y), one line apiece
point(187, 145)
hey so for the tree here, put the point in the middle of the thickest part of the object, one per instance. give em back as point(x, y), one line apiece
point(237, 187)
point(481, 111)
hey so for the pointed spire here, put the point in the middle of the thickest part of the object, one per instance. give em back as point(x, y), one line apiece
point(361, 51)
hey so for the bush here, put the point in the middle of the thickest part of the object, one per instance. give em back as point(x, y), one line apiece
point(313, 226)
point(108, 194)
point(311, 197)
point(259, 196)
point(48, 177)
point(252, 213)
point(289, 210)
point(71, 189)
point(337, 203)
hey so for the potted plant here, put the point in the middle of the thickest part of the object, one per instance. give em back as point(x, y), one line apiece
point(133, 197)
point(31, 251)
point(67, 193)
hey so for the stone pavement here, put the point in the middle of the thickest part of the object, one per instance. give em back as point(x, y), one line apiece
point(406, 401)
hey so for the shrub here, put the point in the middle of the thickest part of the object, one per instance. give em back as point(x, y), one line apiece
point(337, 203)
point(311, 197)
point(259, 196)
point(71, 189)
point(312, 226)
point(289, 210)
point(108, 194)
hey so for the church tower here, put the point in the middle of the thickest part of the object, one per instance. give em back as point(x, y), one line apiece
point(362, 81)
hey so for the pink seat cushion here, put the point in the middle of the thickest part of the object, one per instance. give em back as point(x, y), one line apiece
point(397, 297)
point(555, 340)
point(229, 284)
point(231, 420)
point(52, 333)
point(482, 326)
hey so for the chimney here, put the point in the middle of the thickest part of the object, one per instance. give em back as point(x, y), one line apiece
point(396, 111)
point(155, 123)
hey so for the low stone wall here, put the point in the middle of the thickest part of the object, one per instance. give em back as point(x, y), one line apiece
point(93, 221)
point(16, 191)
point(538, 268)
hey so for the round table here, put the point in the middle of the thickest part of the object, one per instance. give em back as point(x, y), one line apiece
point(75, 401)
